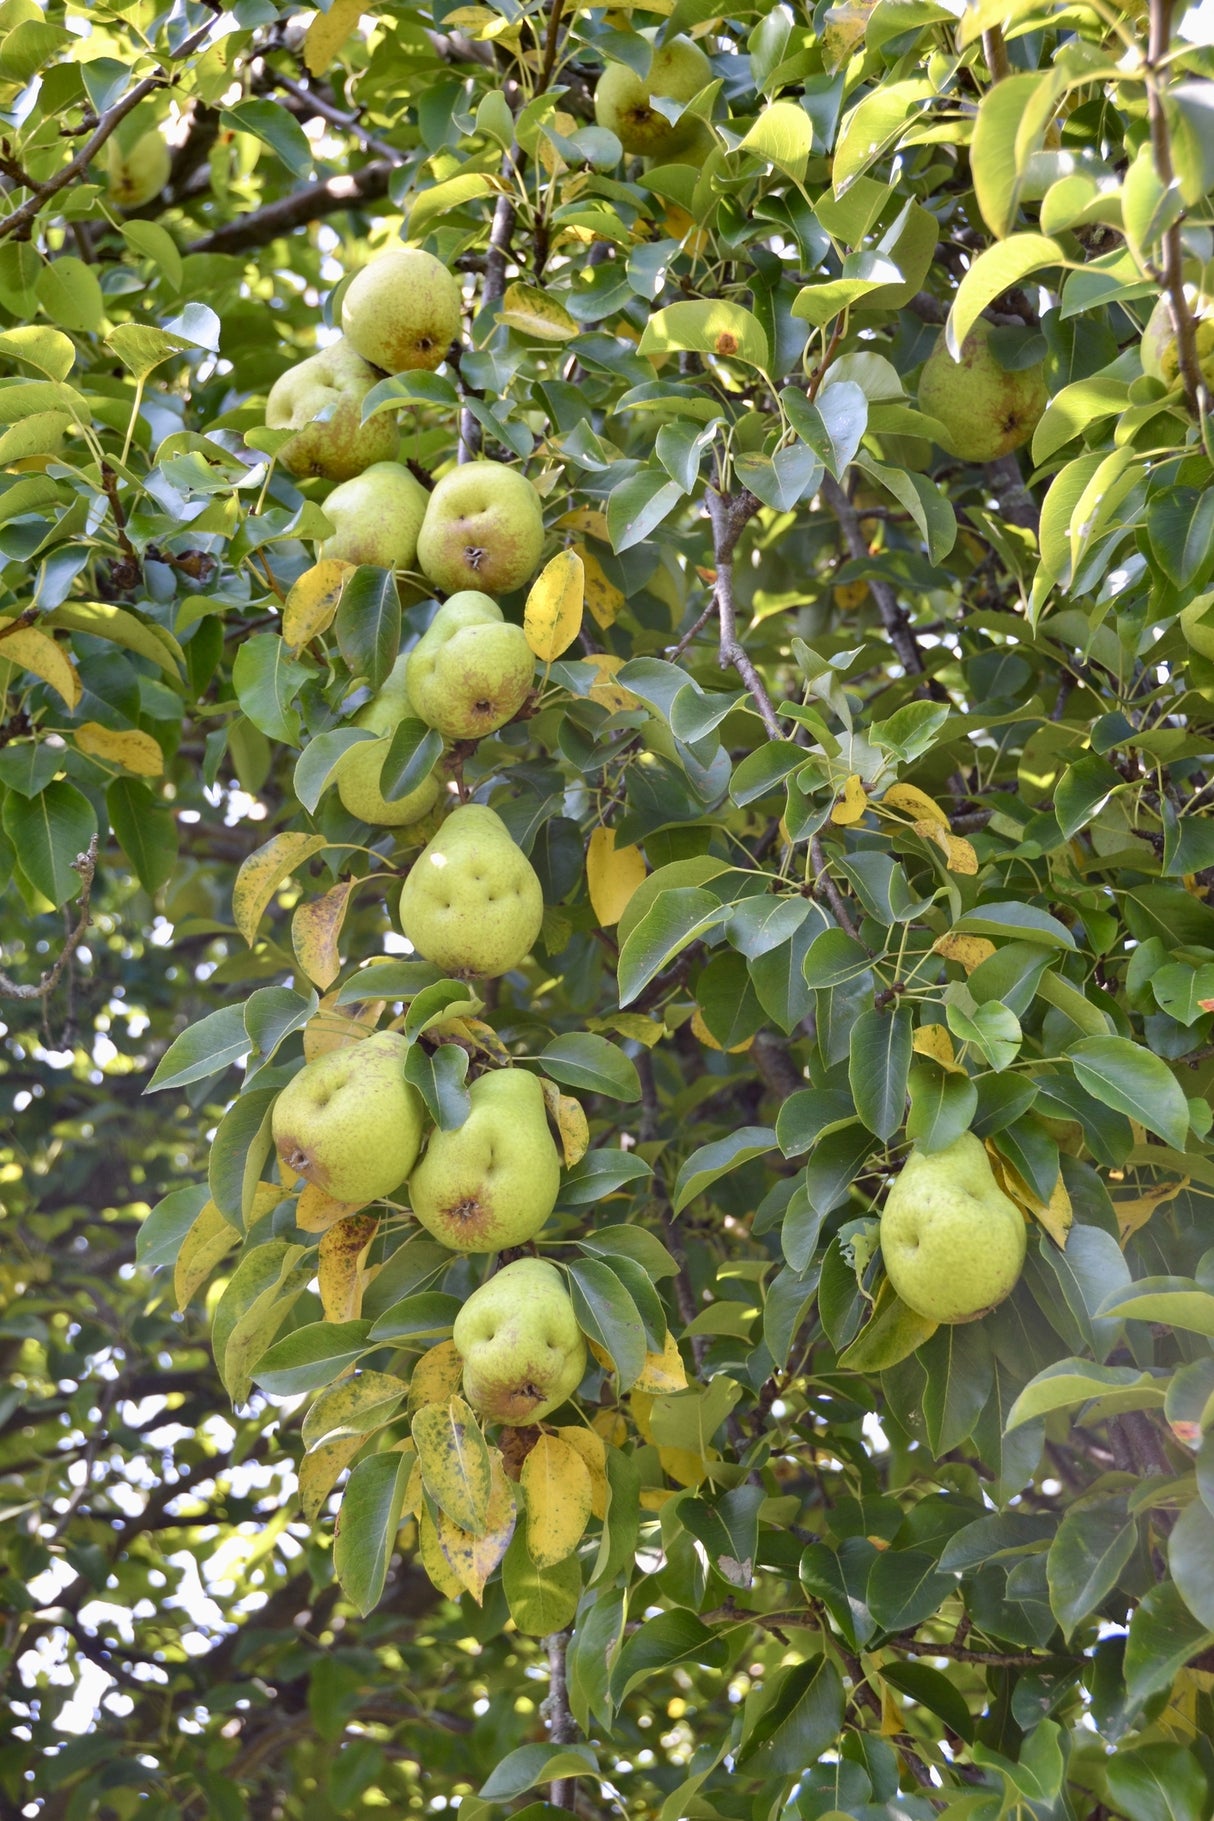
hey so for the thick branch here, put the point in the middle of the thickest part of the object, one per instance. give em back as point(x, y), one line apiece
point(558, 1716)
point(301, 206)
point(893, 617)
point(729, 514)
point(1158, 44)
point(86, 866)
point(496, 260)
point(1016, 503)
point(19, 221)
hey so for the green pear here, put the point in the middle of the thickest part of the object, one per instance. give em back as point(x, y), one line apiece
point(622, 99)
point(322, 399)
point(471, 670)
point(358, 770)
point(519, 1339)
point(483, 529)
point(403, 311)
point(491, 1182)
point(1160, 352)
point(952, 1241)
point(140, 172)
point(350, 1122)
point(471, 902)
point(376, 517)
point(986, 409)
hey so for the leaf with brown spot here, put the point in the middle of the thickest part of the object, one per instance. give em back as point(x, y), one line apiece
point(557, 1496)
point(320, 1470)
point(434, 1561)
point(436, 1376)
point(355, 1405)
point(593, 1450)
point(131, 748)
point(473, 1557)
point(316, 1211)
point(316, 930)
point(664, 1371)
point(340, 1272)
point(455, 1462)
point(209, 1239)
point(311, 605)
point(263, 872)
point(552, 617)
point(603, 598)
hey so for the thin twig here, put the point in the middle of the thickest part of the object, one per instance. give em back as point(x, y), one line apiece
point(108, 124)
point(893, 617)
point(729, 514)
point(825, 884)
point(86, 865)
point(1158, 44)
point(349, 123)
point(25, 618)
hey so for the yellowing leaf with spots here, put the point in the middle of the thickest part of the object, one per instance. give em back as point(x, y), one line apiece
point(209, 1239)
point(335, 1027)
point(936, 1041)
point(316, 1211)
point(612, 875)
point(357, 1405)
point(603, 598)
point(473, 1556)
point(663, 1371)
point(552, 617)
point(436, 1376)
point(434, 1561)
point(455, 1462)
point(569, 1118)
point(530, 311)
point(556, 1494)
point(590, 1445)
point(849, 595)
point(915, 803)
point(263, 872)
point(970, 951)
point(329, 31)
point(316, 931)
point(605, 690)
point(32, 650)
point(959, 854)
point(341, 1273)
point(587, 520)
point(311, 605)
point(1135, 1213)
point(320, 1470)
point(129, 747)
point(851, 805)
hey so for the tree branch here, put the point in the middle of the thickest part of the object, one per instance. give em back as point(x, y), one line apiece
point(558, 1716)
point(893, 617)
point(19, 221)
point(1158, 43)
point(301, 206)
point(729, 514)
point(86, 865)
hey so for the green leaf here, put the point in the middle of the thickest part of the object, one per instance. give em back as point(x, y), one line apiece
point(310, 1357)
point(367, 1523)
point(159, 1238)
point(1158, 1783)
point(267, 680)
point(997, 269)
point(878, 1064)
point(712, 1161)
point(893, 1334)
point(541, 1600)
point(942, 1105)
point(608, 1315)
point(425, 1316)
point(581, 1059)
point(933, 1691)
point(1072, 1381)
point(414, 751)
point(1164, 1636)
point(675, 919)
point(439, 1077)
point(1095, 1540)
point(782, 136)
point(530, 1765)
point(1015, 922)
point(146, 829)
point(70, 293)
point(714, 327)
point(275, 127)
point(799, 1719)
point(1128, 1078)
point(206, 1047)
point(638, 506)
point(50, 832)
point(368, 624)
point(662, 1642)
point(1177, 1301)
point(598, 1173)
point(1190, 1553)
point(317, 762)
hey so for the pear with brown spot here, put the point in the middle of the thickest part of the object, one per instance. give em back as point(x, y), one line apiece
point(472, 902)
point(349, 1122)
point(491, 1182)
point(519, 1339)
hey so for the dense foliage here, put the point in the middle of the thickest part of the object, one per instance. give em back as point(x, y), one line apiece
point(867, 788)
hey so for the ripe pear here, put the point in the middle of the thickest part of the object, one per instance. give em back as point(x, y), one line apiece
point(952, 1241)
point(483, 529)
point(350, 1122)
point(376, 517)
point(986, 410)
point(472, 903)
point(1160, 352)
point(492, 1182)
point(522, 1349)
point(403, 311)
point(358, 771)
point(471, 670)
point(322, 399)
point(134, 176)
point(678, 71)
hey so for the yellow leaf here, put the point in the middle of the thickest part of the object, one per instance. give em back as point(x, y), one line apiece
point(634, 1025)
point(959, 854)
point(590, 1445)
point(603, 598)
point(434, 1561)
point(316, 930)
point(353, 1406)
point(455, 1462)
point(1056, 1215)
point(663, 1371)
point(605, 690)
point(340, 1273)
point(266, 1197)
point(329, 31)
point(436, 1376)
point(654, 1497)
point(32, 650)
point(849, 595)
point(552, 617)
point(569, 1119)
point(970, 951)
point(557, 1497)
point(313, 600)
point(600, 1353)
point(683, 1466)
point(915, 803)
point(320, 1470)
point(263, 872)
point(587, 520)
point(532, 312)
point(1135, 1213)
point(935, 1040)
point(315, 1212)
point(333, 1027)
point(472, 1557)
point(851, 805)
point(121, 628)
point(129, 747)
point(611, 1426)
point(700, 1029)
point(209, 1239)
point(612, 875)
